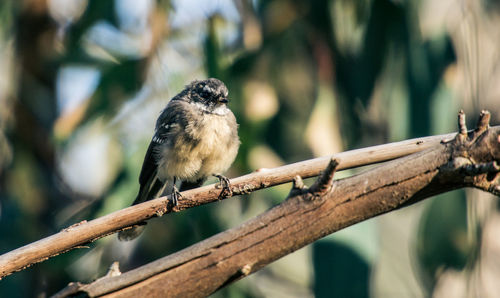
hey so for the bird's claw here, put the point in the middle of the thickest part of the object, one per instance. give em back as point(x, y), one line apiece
point(225, 184)
point(175, 196)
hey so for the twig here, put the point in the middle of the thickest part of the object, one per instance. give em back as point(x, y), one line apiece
point(86, 232)
point(207, 266)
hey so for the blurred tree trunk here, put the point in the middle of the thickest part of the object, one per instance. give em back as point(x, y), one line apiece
point(35, 111)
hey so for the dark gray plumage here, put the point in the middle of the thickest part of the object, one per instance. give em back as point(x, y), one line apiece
point(196, 136)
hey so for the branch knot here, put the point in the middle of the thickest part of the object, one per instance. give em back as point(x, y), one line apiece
point(324, 183)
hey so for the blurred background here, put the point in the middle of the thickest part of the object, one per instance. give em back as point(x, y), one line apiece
point(83, 81)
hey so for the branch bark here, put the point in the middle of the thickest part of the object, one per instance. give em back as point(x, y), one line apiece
point(77, 235)
point(470, 159)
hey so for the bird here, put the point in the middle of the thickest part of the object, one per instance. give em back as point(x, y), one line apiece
point(196, 136)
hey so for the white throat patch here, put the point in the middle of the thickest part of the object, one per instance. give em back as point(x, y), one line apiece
point(220, 110)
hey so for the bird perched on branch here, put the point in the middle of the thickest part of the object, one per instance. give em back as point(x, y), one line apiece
point(196, 136)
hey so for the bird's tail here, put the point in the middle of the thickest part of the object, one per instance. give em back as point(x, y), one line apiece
point(151, 190)
point(131, 233)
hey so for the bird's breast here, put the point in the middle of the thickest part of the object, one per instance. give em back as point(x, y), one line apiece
point(208, 146)
point(217, 143)
point(211, 131)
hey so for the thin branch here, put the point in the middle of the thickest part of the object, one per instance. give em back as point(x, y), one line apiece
point(86, 232)
point(308, 215)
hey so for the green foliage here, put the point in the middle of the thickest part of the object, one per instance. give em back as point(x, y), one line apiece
point(443, 239)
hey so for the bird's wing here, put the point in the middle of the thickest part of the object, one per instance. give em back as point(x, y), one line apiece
point(148, 179)
point(149, 166)
point(170, 121)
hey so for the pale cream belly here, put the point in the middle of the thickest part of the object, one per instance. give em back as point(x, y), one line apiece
point(213, 153)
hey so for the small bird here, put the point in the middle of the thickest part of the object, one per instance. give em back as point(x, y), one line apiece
point(196, 136)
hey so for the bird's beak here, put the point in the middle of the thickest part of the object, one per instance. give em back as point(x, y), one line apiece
point(223, 100)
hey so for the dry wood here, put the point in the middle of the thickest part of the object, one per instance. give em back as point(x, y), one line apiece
point(468, 160)
point(84, 232)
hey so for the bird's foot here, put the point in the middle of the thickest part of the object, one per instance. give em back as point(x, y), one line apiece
point(225, 185)
point(175, 195)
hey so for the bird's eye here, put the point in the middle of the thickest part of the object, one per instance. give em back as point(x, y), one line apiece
point(206, 91)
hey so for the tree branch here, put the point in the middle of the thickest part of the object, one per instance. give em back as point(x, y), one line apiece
point(311, 213)
point(85, 232)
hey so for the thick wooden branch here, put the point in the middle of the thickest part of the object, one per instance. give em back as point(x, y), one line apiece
point(471, 159)
point(79, 234)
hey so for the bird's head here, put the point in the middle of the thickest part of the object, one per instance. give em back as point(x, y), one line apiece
point(210, 92)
